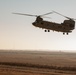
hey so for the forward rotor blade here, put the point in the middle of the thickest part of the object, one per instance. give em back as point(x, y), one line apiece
point(46, 14)
point(62, 15)
point(25, 14)
point(73, 18)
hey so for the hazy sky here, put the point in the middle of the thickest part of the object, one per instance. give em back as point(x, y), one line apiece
point(17, 32)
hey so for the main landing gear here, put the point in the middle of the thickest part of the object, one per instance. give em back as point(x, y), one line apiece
point(66, 33)
point(47, 30)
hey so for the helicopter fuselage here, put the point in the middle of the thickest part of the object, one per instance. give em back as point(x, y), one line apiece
point(65, 28)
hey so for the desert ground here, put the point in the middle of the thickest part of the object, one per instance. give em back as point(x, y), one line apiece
point(17, 62)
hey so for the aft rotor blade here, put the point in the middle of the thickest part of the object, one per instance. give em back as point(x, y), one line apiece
point(25, 14)
point(62, 15)
point(73, 18)
point(46, 14)
point(46, 17)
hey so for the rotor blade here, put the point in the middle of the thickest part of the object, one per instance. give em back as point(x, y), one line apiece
point(46, 17)
point(47, 13)
point(25, 14)
point(62, 15)
point(73, 18)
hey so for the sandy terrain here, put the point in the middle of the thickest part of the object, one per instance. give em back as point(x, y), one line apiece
point(37, 63)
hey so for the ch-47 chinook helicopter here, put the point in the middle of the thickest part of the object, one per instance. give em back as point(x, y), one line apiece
point(66, 27)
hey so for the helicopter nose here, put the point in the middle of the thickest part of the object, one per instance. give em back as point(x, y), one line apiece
point(34, 23)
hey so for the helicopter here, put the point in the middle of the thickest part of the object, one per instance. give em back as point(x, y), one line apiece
point(66, 27)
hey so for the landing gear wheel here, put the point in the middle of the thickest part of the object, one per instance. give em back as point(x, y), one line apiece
point(48, 30)
point(63, 33)
point(45, 30)
point(67, 33)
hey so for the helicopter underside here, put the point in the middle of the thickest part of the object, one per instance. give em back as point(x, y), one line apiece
point(53, 26)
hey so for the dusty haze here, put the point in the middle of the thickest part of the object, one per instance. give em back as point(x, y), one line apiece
point(37, 62)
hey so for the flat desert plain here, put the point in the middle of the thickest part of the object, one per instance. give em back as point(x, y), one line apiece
point(17, 62)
